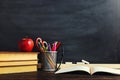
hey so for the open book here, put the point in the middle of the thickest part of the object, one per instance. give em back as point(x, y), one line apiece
point(90, 70)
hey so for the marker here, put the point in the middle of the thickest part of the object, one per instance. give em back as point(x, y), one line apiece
point(54, 46)
point(57, 46)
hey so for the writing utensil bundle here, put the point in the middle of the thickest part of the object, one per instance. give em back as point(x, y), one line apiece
point(48, 53)
point(43, 46)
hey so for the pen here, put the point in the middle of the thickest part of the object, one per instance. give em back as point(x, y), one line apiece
point(84, 61)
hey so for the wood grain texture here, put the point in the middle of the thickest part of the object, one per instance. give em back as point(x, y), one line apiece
point(51, 76)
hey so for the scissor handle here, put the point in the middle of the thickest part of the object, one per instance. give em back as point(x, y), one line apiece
point(39, 44)
point(38, 40)
point(45, 45)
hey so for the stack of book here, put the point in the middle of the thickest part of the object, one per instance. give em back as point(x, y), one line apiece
point(17, 62)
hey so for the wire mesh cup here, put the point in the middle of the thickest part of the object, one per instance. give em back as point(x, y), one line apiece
point(48, 62)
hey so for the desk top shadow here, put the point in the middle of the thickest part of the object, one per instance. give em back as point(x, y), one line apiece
point(40, 75)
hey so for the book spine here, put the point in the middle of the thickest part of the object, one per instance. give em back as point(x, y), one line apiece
point(18, 69)
point(17, 56)
point(14, 63)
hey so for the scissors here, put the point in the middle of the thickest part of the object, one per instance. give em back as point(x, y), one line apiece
point(45, 45)
point(41, 45)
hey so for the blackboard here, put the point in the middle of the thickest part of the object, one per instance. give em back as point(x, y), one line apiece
point(89, 29)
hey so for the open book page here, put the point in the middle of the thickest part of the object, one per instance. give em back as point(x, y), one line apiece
point(105, 69)
point(73, 68)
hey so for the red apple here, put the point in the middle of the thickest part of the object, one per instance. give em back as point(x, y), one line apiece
point(26, 44)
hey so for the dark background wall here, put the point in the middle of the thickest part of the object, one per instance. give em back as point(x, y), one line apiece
point(89, 29)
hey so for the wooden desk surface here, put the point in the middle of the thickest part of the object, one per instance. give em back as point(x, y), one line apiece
point(51, 76)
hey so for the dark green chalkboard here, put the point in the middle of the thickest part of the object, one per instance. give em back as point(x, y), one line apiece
point(89, 29)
